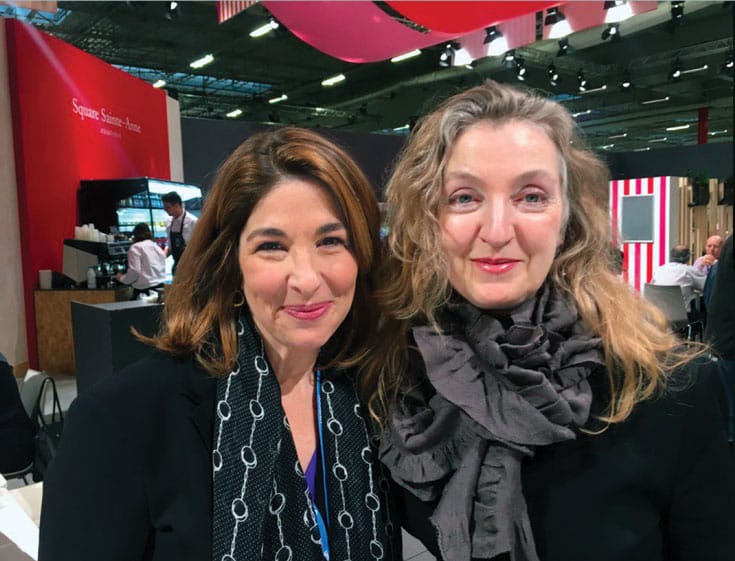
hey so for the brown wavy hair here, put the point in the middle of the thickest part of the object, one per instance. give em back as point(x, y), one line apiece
point(638, 346)
point(200, 314)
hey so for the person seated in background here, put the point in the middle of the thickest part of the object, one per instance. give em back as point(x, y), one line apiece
point(677, 271)
point(711, 253)
point(146, 263)
point(16, 429)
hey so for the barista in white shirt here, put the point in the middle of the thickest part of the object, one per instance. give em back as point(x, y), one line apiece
point(146, 262)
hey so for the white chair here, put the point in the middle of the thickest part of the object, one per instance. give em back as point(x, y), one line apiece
point(670, 300)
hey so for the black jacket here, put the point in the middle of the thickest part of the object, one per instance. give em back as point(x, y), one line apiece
point(660, 486)
point(721, 311)
point(142, 441)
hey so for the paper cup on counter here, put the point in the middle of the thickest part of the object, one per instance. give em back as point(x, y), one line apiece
point(44, 279)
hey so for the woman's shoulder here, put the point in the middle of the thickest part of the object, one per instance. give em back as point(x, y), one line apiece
point(151, 380)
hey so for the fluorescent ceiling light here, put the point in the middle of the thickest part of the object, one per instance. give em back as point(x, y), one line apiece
point(658, 100)
point(662, 139)
point(402, 128)
point(698, 69)
point(580, 113)
point(642, 149)
point(278, 99)
point(678, 128)
point(264, 29)
point(333, 80)
point(159, 83)
point(715, 133)
point(204, 61)
point(621, 135)
point(235, 113)
point(602, 88)
point(606, 146)
point(406, 56)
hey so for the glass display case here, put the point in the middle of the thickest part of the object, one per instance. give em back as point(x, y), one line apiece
point(117, 205)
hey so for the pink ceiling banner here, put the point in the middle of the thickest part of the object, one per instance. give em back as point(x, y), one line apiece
point(460, 17)
point(351, 31)
point(230, 8)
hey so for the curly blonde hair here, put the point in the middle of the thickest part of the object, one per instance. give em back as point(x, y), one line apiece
point(639, 349)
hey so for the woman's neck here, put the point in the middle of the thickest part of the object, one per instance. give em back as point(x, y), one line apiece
point(291, 368)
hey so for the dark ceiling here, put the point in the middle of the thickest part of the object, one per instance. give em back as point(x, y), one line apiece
point(380, 97)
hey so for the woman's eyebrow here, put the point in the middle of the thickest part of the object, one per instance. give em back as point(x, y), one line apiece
point(269, 232)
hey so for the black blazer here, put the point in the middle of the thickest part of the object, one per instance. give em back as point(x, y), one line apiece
point(660, 486)
point(142, 440)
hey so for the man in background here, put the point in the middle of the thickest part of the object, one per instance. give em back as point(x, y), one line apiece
point(179, 226)
point(677, 271)
point(712, 249)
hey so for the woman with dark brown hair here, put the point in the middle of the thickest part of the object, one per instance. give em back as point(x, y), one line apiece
point(534, 407)
point(243, 437)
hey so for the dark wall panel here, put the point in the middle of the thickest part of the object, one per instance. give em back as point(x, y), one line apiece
point(207, 143)
point(714, 160)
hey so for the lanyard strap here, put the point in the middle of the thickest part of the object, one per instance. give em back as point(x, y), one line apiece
point(324, 537)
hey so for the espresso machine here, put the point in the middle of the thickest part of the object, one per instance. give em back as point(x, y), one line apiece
point(107, 258)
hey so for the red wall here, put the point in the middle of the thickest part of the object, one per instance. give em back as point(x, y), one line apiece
point(74, 117)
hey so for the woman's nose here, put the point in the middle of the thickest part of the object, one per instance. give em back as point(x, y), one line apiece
point(305, 276)
point(497, 228)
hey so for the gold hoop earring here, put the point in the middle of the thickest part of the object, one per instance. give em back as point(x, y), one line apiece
point(239, 299)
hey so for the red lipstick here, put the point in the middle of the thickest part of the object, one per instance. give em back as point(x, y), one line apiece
point(308, 311)
point(496, 266)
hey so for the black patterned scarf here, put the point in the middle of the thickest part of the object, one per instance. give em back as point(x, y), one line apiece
point(262, 509)
point(498, 390)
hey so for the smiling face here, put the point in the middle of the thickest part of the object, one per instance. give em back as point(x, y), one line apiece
point(299, 274)
point(502, 212)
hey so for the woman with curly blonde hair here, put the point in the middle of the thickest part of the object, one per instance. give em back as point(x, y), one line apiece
point(533, 407)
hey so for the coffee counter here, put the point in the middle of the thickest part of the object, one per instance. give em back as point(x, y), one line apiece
point(54, 327)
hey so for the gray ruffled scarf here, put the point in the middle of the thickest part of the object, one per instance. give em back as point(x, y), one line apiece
point(499, 393)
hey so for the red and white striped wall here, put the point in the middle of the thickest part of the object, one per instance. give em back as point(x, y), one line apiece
point(640, 259)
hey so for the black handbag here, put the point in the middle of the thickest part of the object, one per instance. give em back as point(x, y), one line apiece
point(49, 431)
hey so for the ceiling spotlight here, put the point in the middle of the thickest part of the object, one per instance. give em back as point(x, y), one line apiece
point(234, 114)
point(553, 75)
point(728, 64)
point(446, 57)
point(509, 57)
point(265, 29)
point(559, 25)
point(617, 11)
point(491, 33)
point(611, 31)
point(520, 68)
point(173, 10)
point(563, 47)
point(278, 99)
point(675, 73)
point(677, 12)
point(581, 81)
point(626, 85)
point(159, 83)
point(496, 43)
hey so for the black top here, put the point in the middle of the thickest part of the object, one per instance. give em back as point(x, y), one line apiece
point(16, 429)
point(659, 486)
point(721, 311)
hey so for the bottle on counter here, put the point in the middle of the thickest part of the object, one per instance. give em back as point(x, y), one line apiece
point(91, 278)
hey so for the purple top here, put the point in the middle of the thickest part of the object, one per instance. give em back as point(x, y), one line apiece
point(310, 476)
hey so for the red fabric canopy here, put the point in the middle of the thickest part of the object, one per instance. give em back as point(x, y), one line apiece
point(351, 31)
point(460, 17)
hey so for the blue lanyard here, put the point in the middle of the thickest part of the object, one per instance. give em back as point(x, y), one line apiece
point(322, 458)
